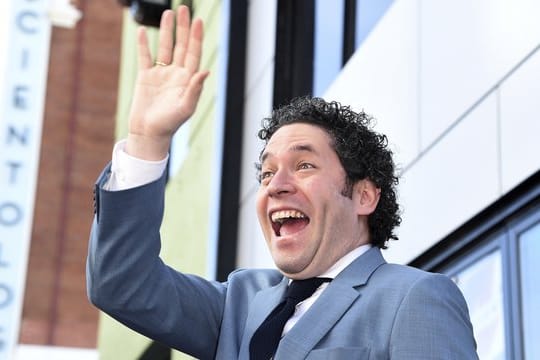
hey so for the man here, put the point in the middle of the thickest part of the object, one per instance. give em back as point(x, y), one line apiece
point(326, 205)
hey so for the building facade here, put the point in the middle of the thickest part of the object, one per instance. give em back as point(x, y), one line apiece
point(454, 86)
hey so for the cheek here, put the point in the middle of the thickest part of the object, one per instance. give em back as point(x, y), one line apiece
point(313, 188)
point(320, 193)
point(260, 206)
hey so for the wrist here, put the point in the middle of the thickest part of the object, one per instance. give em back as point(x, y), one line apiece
point(144, 147)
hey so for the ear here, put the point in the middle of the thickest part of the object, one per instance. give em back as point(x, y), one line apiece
point(366, 196)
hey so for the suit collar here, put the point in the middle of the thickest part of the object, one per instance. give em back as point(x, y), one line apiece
point(345, 261)
point(360, 270)
point(338, 297)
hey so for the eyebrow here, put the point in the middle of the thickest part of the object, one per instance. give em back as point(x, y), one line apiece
point(298, 148)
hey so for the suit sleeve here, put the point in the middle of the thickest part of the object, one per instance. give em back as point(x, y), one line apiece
point(432, 322)
point(127, 279)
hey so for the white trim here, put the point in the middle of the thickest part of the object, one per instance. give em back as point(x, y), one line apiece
point(33, 352)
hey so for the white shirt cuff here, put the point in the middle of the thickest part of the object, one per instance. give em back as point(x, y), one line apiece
point(128, 172)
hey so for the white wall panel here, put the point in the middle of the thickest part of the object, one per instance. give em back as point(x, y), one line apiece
point(252, 250)
point(466, 48)
point(382, 79)
point(520, 123)
point(258, 106)
point(449, 184)
point(261, 39)
point(259, 84)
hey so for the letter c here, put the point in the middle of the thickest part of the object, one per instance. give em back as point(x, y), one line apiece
point(5, 296)
point(24, 22)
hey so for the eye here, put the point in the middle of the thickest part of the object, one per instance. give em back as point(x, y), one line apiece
point(305, 166)
point(265, 175)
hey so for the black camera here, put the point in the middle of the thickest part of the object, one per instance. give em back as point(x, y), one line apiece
point(147, 12)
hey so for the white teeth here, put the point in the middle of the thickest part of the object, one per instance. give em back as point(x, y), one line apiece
point(280, 216)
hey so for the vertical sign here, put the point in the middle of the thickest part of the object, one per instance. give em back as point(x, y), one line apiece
point(21, 116)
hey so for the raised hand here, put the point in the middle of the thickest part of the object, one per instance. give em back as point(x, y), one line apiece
point(167, 90)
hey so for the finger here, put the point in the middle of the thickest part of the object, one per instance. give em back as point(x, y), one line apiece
point(144, 56)
point(182, 35)
point(193, 92)
point(194, 51)
point(165, 44)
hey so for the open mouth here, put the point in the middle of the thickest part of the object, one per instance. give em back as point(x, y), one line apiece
point(287, 222)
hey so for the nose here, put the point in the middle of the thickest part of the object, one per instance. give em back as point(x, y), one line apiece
point(281, 184)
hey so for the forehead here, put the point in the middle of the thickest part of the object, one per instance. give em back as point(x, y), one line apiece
point(298, 137)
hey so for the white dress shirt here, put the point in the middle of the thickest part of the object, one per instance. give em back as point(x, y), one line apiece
point(128, 172)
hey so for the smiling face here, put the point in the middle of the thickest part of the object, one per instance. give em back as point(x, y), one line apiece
point(307, 220)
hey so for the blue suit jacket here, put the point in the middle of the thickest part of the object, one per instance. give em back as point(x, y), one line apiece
point(372, 310)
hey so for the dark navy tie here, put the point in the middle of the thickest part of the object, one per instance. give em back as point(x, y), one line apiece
point(266, 338)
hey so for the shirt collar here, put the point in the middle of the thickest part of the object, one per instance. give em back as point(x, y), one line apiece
point(345, 261)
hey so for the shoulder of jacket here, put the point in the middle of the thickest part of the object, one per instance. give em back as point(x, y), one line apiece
point(258, 278)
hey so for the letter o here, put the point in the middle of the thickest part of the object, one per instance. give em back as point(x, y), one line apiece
point(10, 214)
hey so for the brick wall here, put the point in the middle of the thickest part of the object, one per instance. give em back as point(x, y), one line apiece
point(78, 134)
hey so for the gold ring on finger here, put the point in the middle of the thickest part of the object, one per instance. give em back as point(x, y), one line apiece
point(159, 63)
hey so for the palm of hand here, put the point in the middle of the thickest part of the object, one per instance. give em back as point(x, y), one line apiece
point(159, 105)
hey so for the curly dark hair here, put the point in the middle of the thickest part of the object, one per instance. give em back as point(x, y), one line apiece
point(364, 154)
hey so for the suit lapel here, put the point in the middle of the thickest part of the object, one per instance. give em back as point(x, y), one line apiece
point(262, 305)
point(333, 303)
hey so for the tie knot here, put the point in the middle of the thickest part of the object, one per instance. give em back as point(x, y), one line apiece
point(299, 290)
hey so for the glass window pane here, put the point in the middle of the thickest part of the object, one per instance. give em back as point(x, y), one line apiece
point(328, 43)
point(529, 246)
point(368, 14)
point(481, 284)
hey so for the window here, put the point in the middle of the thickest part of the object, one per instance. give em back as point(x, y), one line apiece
point(315, 39)
point(328, 43)
point(480, 279)
point(495, 261)
point(529, 268)
point(368, 14)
